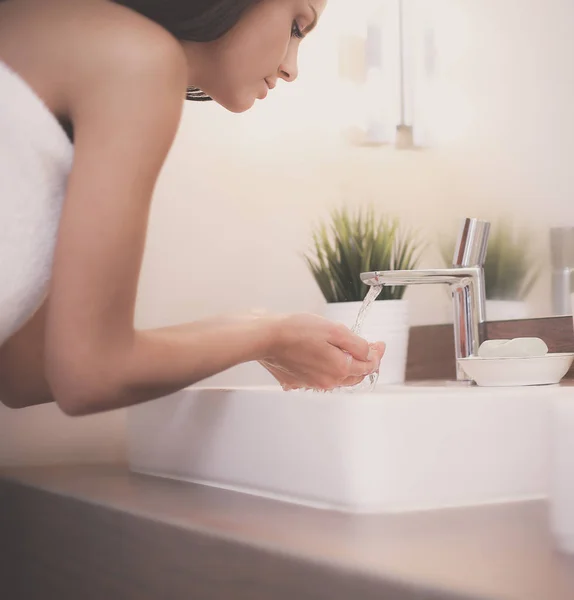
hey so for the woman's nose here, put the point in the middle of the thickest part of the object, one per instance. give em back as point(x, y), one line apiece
point(289, 70)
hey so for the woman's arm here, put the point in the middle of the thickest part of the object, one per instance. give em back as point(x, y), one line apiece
point(22, 379)
point(125, 101)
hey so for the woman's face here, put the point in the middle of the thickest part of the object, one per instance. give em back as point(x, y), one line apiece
point(246, 62)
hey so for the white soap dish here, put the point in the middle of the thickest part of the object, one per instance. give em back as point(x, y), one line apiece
point(512, 371)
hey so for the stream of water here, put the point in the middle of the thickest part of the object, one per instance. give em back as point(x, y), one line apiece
point(368, 384)
point(371, 296)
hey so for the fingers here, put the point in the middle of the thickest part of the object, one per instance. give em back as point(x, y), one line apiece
point(286, 381)
point(377, 350)
point(352, 381)
point(346, 340)
point(324, 357)
point(372, 364)
point(359, 368)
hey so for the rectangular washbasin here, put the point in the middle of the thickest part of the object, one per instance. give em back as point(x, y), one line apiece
point(401, 448)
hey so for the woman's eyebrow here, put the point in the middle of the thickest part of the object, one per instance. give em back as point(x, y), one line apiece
point(313, 23)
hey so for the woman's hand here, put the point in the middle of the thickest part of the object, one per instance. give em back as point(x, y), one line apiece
point(308, 351)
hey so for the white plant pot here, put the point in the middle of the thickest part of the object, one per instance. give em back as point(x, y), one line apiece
point(387, 321)
point(506, 310)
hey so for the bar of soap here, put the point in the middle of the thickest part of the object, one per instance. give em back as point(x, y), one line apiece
point(527, 347)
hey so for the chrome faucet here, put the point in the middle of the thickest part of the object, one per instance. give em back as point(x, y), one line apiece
point(466, 281)
point(562, 259)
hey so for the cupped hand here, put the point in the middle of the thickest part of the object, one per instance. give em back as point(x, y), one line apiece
point(309, 351)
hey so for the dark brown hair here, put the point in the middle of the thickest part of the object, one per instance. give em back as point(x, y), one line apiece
point(192, 20)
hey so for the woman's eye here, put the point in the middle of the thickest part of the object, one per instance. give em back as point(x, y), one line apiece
point(296, 31)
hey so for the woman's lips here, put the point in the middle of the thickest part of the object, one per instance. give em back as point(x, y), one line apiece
point(270, 85)
point(264, 92)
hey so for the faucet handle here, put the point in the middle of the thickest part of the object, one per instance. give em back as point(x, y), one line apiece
point(471, 247)
point(562, 247)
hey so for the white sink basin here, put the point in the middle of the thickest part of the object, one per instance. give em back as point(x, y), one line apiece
point(401, 448)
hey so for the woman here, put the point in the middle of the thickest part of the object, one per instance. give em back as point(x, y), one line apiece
point(114, 75)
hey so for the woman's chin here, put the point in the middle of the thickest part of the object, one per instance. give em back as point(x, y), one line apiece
point(236, 104)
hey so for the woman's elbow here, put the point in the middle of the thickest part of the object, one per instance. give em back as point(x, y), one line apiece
point(82, 392)
point(13, 401)
point(72, 399)
point(89, 401)
point(73, 405)
point(16, 398)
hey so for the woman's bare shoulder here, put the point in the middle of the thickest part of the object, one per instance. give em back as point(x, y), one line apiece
point(82, 13)
point(53, 43)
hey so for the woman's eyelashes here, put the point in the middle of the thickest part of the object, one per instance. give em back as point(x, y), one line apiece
point(296, 31)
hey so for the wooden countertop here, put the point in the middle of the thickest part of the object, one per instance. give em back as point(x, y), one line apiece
point(102, 532)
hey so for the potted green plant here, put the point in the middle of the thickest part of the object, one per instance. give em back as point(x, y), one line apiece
point(348, 244)
point(510, 271)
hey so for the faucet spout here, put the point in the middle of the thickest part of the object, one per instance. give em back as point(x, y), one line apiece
point(466, 281)
point(453, 276)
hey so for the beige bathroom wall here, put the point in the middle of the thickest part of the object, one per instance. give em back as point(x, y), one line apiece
point(239, 194)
